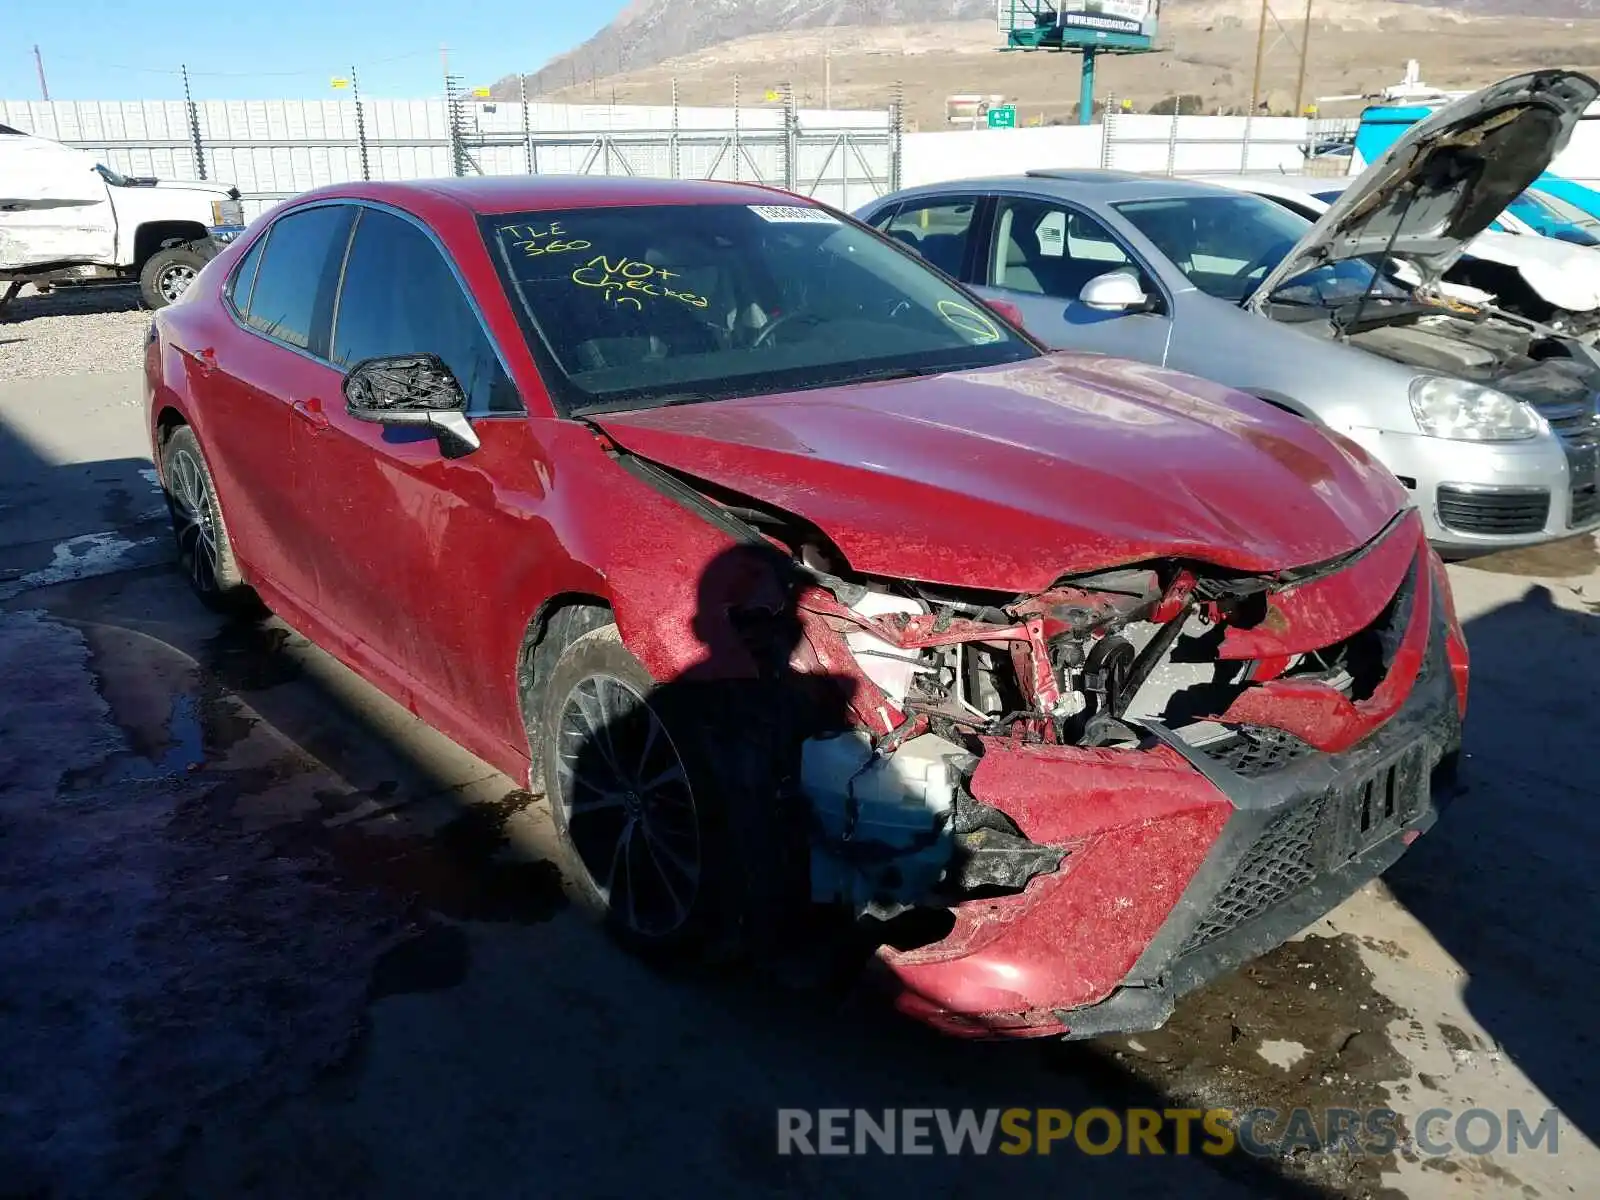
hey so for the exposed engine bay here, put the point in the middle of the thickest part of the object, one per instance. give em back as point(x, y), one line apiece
point(1482, 283)
point(1098, 661)
point(1558, 375)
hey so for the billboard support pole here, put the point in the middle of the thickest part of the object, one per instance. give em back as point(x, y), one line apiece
point(1086, 91)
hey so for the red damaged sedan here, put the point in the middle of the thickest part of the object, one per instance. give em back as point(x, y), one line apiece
point(795, 576)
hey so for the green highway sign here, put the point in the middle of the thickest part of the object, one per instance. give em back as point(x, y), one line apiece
point(1003, 117)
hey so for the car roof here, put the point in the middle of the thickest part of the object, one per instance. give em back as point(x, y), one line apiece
point(490, 194)
point(1109, 187)
point(1272, 184)
point(1309, 184)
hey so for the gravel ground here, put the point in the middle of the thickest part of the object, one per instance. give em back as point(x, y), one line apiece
point(72, 331)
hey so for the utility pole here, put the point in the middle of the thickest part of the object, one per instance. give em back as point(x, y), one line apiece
point(38, 62)
point(1261, 55)
point(1305, 53)
point(827, 78)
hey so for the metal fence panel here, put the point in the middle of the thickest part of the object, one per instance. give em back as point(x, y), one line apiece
point(272, 149)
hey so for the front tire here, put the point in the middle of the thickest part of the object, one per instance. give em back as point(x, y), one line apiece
point(167, 273)
point(205, 552)
point(672, 805)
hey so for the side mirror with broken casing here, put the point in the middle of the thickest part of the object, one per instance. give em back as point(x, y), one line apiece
point(412, 389)
point(1115, 291)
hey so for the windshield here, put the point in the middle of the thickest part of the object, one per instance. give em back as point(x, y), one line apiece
point(642, 306)
point(1225, 245)
point(1556, 218)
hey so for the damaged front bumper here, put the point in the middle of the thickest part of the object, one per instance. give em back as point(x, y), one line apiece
point(1184, 861)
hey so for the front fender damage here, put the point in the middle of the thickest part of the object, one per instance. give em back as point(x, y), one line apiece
point(1007, 789)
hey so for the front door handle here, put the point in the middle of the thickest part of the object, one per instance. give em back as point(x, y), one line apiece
point(310, 411)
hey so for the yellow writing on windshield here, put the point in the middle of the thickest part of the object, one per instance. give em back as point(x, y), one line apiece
point(538, 240)
point(970, 321)
point(629, 281)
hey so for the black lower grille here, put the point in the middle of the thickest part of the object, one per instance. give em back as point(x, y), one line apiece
point(1585, 504)
point(1280, 863)
point(1313, 837)
point(1256, 750)
point(1502, 512)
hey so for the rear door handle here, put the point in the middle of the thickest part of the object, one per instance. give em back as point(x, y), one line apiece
point(310, 411)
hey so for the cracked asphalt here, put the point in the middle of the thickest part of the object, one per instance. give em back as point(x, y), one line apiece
point(264, 935)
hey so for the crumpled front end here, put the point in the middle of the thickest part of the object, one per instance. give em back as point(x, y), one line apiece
point(1061, 812)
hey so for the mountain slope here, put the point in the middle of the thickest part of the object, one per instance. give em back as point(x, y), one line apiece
point(651, 31)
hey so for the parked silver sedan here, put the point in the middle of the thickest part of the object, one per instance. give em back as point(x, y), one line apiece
point(1492, 420)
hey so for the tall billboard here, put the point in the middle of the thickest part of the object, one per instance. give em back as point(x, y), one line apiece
point(1130, 24)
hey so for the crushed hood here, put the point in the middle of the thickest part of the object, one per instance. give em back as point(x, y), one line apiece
point(1010, 477)
point(1447, 178)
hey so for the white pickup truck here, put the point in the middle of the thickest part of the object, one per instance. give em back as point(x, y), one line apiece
point(65, 218)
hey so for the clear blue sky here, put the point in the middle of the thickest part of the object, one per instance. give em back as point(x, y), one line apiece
point(268, 49)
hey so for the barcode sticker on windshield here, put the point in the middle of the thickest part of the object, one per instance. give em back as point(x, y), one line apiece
point(793, 214)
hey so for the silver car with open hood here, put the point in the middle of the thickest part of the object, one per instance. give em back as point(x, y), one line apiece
point(1489, 417)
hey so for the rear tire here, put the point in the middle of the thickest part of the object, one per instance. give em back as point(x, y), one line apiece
point(168, 272)
point(673, 806)
point(205, 552)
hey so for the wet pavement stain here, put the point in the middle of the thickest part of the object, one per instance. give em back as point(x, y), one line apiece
point(459, 871)
point(175, 720)
point(180, 752)
point(1315, 995)
point(436, 960)
point(250, 656)
point(1565, 559)
point(1456, 1039)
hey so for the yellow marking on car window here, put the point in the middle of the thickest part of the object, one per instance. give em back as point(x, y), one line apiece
point(536, 241)
point(626, 279)
point(969, 320)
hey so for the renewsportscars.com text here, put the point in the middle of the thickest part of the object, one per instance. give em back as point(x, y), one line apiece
point(1260, 1132)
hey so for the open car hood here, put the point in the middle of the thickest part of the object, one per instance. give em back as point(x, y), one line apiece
point(1010, 477)
point(1447, 179)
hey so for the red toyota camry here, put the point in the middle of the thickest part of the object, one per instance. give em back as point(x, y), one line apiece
point(795, 576)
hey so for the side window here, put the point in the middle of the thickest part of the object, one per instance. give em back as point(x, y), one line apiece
point(1044, 249)
point(244, 277)
point(936, 229)
point(881, 221)
point(399, 296)
point(293, 293)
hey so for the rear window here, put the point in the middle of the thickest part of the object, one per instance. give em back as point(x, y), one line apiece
point(636, 306)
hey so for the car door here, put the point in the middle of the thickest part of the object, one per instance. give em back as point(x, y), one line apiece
point(1040, 254)
point(399, 522)
point(54, 206)
point(258, 384)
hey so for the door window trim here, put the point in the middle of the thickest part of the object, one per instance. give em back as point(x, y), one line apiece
point(974, 235)
point(461, 284)
point(1069, 206)
point(242, 322)
point(231, 285)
